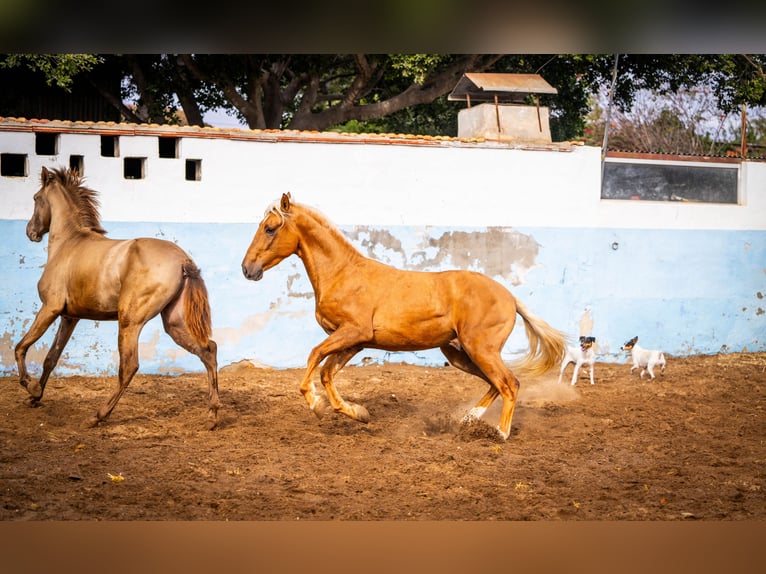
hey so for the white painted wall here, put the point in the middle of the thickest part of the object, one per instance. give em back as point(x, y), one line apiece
point(365, 184)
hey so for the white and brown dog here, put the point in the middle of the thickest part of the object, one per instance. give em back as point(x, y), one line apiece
point(582, 355)
point(647, 359)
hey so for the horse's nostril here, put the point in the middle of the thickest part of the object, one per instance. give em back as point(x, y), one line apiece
point(252, 272)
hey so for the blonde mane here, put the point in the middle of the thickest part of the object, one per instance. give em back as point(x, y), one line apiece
point(85, 199)
point(313, 214)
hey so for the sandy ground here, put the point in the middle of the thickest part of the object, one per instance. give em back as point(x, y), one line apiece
point(688, 446)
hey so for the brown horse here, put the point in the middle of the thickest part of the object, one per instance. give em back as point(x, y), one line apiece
point(362, 303)
point(89, 276)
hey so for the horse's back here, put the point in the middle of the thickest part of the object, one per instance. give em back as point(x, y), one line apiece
point(94, 275)
point(473, 288)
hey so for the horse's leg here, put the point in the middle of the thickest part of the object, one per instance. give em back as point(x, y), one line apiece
point(344, 338)
point(331, 367)
point(43, 320)
point(507, 385)
point(486, 356)
point(460, 359)
point(66, 327)
point(127, 344)
point(175, 326)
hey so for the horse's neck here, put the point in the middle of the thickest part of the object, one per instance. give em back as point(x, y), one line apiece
point(64, 223)
point(325, 252)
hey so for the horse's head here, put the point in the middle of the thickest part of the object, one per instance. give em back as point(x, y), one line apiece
point(63, 197)
point(40, 223)
point(275, 239)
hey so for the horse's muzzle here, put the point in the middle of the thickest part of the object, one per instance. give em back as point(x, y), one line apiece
point(33, 235)
point(254, 272)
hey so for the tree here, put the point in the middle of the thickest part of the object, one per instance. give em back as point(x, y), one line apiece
point(385, 92)
point(58, 69)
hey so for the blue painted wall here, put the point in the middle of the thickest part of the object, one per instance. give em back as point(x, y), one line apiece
point(685, 291)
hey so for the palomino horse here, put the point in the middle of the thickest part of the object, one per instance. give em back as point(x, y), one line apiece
point(362, 303)
point(89, 276)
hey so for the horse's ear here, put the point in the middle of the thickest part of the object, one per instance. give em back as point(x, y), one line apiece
point(44, 176)
point(285, 203)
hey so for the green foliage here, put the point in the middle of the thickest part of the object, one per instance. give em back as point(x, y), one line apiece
point(396, 93)
point(58, 69)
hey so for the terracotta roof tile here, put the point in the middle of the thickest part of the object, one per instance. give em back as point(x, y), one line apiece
point(308, 136)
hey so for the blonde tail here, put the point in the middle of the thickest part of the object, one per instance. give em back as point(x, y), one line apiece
point(546, 344)
point(196, 305)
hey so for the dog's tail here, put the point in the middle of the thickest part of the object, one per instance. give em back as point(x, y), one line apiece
point(546, 344)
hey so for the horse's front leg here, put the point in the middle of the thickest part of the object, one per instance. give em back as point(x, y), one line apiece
point(340, 341)
point(331, 367)
point(43, 320)
point(66, 328)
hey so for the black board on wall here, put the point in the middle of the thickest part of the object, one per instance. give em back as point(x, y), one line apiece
point(670, 182)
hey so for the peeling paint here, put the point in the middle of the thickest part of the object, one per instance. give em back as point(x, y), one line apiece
point(586, 323)
point(496, 251)
point(379, 244)
point(291, 280)
point(149, 350)
point(35, 354)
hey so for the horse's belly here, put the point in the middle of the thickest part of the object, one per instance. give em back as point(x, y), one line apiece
point(413, 337)
point(92, 314)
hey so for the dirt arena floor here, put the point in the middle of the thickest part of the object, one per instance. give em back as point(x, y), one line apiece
point(688, 446)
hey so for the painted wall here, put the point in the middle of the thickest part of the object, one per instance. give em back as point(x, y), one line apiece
point(689, 278)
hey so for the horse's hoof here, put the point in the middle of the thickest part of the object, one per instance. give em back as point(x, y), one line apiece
point(34, 389)
point(91, 422)
point(503, 435)
point(320, 407)
point(212, 423)
point(32, 402)
point(361, 414)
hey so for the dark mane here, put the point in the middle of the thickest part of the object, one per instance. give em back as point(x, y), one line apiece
point(84, 198)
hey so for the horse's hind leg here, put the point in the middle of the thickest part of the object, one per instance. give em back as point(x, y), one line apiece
point(460, 359)
point(507, 386)
point(332, 365)
point(487, 359)
point(127, 344)
point(175, 326)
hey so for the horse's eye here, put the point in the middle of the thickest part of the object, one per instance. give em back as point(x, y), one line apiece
point(270, 230)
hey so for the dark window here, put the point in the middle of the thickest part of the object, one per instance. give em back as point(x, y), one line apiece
point(13, 164)
point(77, 163)
point(134, 167)
point(193, 169)
point(670, 182)
point(168, 147)
point(46, 143)
point(110, 146)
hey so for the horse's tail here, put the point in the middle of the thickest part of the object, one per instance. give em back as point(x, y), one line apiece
point(546, 344)
point(196, 305)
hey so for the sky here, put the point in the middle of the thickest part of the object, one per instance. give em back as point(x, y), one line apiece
point(220, 119)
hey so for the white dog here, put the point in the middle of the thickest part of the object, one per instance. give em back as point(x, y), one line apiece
point(582, 355)
point(647, 359)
